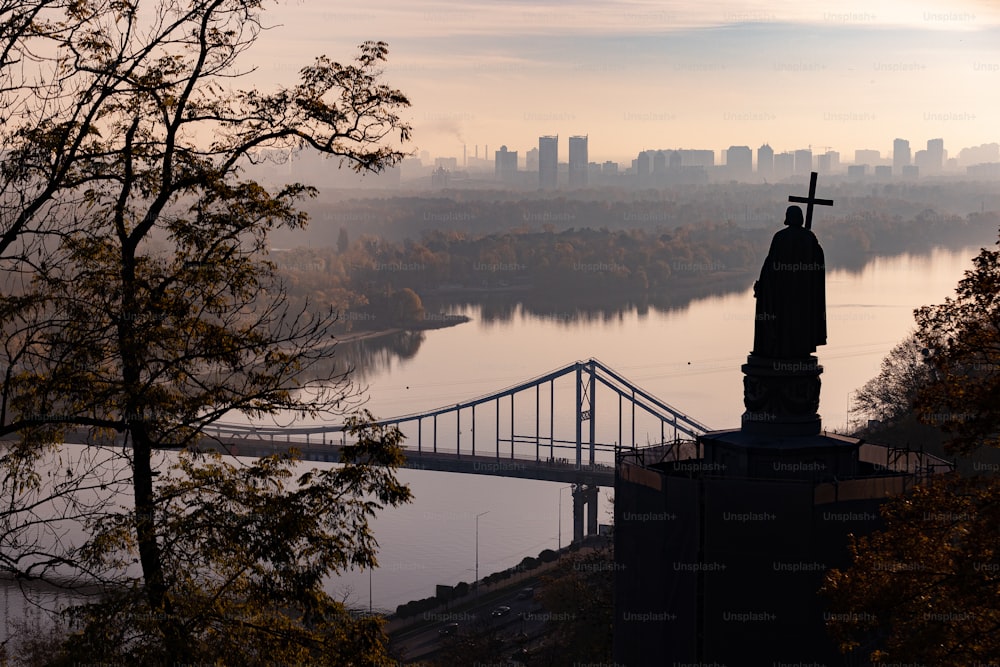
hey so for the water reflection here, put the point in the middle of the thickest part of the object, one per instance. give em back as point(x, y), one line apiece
point(500, 306)
point(371, 355)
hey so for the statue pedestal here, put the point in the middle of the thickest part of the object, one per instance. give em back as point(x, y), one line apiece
point(781, 396)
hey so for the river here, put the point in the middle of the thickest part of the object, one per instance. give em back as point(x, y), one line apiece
point(689, 356)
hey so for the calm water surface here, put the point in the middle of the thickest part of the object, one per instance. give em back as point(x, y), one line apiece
point(689, 357)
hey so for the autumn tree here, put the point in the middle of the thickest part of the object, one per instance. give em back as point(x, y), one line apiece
point(139, 307)
point(406, 307)
point(893, 392)
point(926, 588)
point(962, 339)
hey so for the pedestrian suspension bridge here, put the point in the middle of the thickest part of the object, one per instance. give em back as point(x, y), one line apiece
point(564, 426)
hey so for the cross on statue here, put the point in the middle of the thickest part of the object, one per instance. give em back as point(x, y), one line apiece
point(811, 200)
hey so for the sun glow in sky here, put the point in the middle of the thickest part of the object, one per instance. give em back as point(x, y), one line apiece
point(637, 75)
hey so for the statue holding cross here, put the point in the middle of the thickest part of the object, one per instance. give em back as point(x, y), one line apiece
point(790, 317)
point(811, 200)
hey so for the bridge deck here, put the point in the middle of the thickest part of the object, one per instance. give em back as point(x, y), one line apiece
point(455, 446)
point(559, 470)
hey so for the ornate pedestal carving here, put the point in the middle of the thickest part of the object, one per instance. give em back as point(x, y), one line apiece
point(781, 396)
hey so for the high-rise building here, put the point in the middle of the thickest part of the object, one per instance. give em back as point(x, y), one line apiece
point(828, 162)
point(973, 155)
point(784, 164)
point(643, 165)
point(594, 171)
point(505, 165)
point(823, 163)
point(867, 156)
point(989, 171)
point(900, 155)
point(548, 162)
point(440, 177)
point(739, 162)
point(935, 155)
point(765, 160)
point(660, 162)
point(834, 160)
point(693, 157)
point(531, 160)
point(803, 161)
point(578, 161)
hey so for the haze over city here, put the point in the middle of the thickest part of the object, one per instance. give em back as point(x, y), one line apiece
point(484, 333)
point(647, 75)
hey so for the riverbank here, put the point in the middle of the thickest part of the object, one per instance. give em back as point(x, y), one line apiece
point(512, 613)
point(430, 321)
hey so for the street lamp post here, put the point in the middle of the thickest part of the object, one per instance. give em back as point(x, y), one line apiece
point(477, 550)
point(854, 391)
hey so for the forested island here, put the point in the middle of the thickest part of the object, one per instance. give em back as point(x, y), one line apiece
point(379, 284)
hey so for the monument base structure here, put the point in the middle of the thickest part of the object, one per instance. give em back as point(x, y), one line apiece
point(722, 543)
point(781, 396)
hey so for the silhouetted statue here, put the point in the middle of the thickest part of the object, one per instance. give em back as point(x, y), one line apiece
point(791, 294)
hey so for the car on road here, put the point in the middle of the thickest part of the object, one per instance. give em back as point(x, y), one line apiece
point(526, 594)
point(501, 611)
point(448, 629)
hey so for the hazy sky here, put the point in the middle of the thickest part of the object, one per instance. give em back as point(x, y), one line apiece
point(686, 74)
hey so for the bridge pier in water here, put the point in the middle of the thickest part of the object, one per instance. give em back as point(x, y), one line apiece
point(584, 494)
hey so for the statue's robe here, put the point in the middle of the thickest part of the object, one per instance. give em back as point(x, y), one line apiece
point(791, 297)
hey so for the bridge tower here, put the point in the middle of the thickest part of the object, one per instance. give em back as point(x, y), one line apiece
point(585, 495)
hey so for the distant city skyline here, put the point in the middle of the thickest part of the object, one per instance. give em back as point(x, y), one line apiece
point(637, 74)
point(472, 152)
point(936, 153)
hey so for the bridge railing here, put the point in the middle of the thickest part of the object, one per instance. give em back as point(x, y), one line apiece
point(587, 376)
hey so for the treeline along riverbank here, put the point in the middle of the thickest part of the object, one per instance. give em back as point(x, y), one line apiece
point(399, 216)
point(377, 284)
